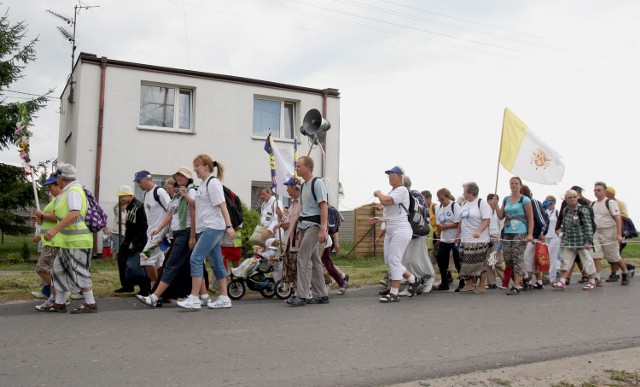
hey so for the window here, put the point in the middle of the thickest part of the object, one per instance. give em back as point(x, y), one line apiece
point(166, 107)
point(277, 116)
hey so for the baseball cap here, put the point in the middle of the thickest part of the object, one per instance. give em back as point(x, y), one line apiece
point(611, 190)
point(396, 170)
point(141, 175)
point(291, 181)
point(53, 179)
point(66, 171)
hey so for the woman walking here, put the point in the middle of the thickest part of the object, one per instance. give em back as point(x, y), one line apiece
point(447, 219)
point(398, 233)
point(518, 231)
point(473, 233)
point(212, 220)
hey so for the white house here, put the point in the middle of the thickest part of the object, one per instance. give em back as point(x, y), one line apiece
point(119, 117)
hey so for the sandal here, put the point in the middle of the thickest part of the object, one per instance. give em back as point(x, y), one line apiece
point(589, 286)
point(558, 285)
point(583, 280)
point(85, 308)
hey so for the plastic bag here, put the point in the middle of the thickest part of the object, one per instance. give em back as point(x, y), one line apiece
point(542, 257)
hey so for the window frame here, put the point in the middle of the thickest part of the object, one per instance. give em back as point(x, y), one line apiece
point(281, 130)
point(178, 91)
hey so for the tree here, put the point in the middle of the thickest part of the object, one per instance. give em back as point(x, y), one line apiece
point(16, 193)
point(14, 57)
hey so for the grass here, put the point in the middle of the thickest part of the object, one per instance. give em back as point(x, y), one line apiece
point(17, 278)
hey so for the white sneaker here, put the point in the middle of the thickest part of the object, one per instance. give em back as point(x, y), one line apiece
point(39, 295)
point(428, 285)
point(405, 293)
point(44, 305)
point(77, 296)
point(190, 302)
point(219, 304)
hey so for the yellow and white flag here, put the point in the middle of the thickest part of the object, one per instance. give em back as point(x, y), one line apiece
point(525, 155)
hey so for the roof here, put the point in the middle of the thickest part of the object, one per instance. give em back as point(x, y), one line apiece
point(92, 58)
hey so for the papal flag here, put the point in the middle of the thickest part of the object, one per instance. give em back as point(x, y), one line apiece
point(524, 154)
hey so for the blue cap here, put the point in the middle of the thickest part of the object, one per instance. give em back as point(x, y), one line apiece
point(53, 179)
point(291, 181)
point(141, 175)
point(396, 170)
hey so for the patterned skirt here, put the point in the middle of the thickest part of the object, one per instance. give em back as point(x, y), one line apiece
point(290, 268)
point(72, 270)
point(513, 246)
point(472, 258)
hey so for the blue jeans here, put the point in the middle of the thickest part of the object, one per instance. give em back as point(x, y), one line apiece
point(178, 257)
point(208, 244)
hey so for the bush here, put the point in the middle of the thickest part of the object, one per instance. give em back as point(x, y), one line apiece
point(250, 220)
point(25, 254)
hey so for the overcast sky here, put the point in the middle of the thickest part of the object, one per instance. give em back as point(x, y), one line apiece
point(423, 83)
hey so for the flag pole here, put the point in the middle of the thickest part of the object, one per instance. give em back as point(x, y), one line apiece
point(495, 191)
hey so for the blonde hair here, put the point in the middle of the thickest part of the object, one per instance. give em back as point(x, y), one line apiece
point(571, 192)
point(205, 159)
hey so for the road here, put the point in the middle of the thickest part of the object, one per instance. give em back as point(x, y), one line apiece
point(354, 340)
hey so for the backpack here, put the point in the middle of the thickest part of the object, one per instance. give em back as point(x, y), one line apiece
point(540, 219)
point(415, 214)
point(234, 205)
point(156, 196)
point(629, 229)
point(333, 221)
point(96, 218)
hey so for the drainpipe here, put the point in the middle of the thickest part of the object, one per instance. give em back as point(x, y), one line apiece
point(96, 186)
point(324, 143)
point(103, 73)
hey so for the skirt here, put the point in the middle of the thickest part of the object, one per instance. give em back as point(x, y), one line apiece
point(472, 258)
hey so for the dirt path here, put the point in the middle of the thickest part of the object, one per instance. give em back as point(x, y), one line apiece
point(573, 371)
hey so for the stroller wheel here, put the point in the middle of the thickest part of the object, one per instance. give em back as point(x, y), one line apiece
point(270, 290)
point(283, 291)
point(236, 289)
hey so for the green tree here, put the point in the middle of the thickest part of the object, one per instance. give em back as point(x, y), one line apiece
point(16, 193)
point(14, 58)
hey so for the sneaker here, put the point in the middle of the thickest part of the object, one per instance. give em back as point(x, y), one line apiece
point(41, 307)
point(427, 285)
point(537, 286)
point(612, 278)
point(342, 290)
point(321, 300)
point(632, 269)
point(54, 308)
point(219, 304)
point(147, 301)
point(77, 296)
point(625, 279)
point(190, 302)
point(513, 291)
point(405, 293)
point(389, 298)
point(295, 301)
point(85, 308)
point(39, 295)
point(345, 280)
point(441, 288)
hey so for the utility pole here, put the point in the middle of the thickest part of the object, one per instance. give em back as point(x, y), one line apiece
point(71, 37)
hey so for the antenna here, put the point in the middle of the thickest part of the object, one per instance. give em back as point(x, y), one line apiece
point(71, 36)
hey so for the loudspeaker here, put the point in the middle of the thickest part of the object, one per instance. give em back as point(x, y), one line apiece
point(315, 126)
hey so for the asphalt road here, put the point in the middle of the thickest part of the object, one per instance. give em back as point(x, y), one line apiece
point(354, 340)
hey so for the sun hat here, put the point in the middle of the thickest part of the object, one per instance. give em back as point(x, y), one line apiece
point(125, 190)
point(184, 171)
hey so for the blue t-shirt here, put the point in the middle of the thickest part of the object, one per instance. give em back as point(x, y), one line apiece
point(518, 225)
point(311, 207)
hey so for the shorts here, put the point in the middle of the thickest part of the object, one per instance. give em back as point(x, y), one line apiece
point(45, 261)
point(568, 257)
point(606, 244)
point(233, 254)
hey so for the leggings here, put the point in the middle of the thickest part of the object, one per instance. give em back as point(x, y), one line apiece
point(443, 258)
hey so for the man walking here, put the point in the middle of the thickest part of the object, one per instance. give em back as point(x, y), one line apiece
point(312, 228)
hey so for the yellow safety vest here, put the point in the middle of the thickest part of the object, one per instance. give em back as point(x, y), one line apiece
point(77, 235)
point(47, 224)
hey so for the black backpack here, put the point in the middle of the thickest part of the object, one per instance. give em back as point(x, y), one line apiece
point(415, 214)
point(334, 221)
point(234, 205)
point(540, 219)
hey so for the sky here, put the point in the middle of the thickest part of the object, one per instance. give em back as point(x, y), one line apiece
point(423, 83)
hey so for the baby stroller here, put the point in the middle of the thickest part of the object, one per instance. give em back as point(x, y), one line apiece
point(259, 274)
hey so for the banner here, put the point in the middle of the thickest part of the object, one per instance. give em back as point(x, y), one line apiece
point(281, 166)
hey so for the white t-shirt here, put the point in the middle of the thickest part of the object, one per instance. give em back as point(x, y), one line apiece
point(394, 213)
point(268, 214)
point(74, 199)
point(208, 199)
point(553, 221)
point(495, 225)
point(174, 208)
point(154, 211)
point(449, 214)
point(472, 215)
point(604, 216)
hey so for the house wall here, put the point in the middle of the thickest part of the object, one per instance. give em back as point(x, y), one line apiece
point(223, 120)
